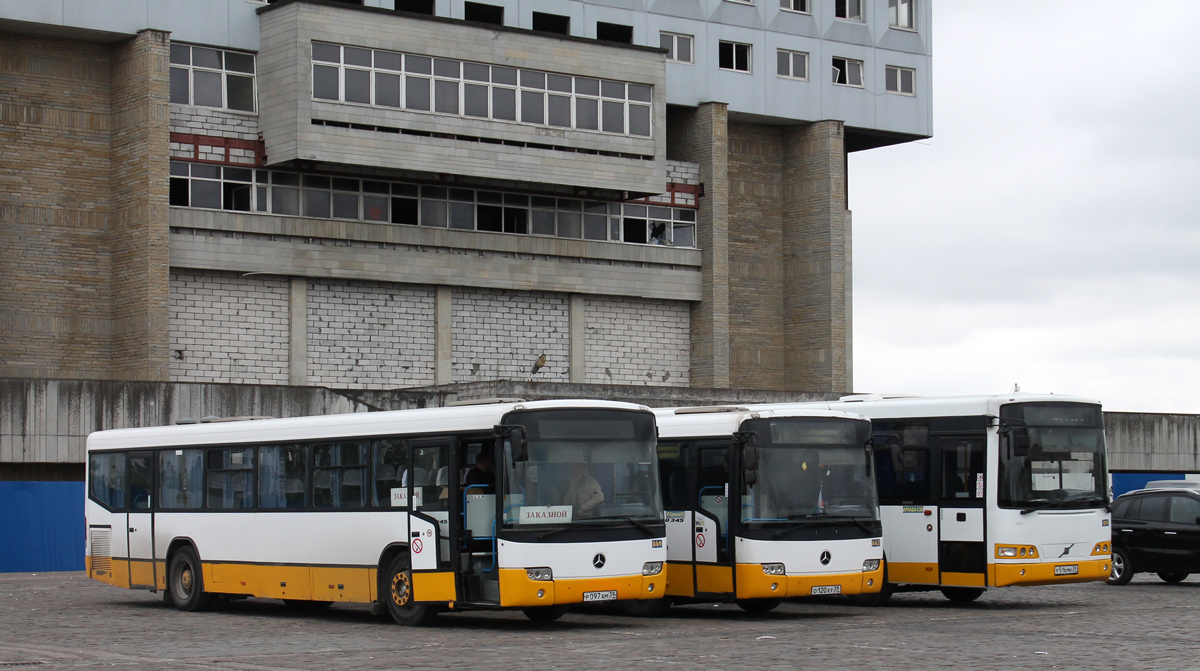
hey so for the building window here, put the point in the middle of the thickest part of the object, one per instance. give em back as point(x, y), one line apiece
point(734, 56)
point(239, 189)
point(795, 6)
point(678, 46)
point(212, 77)
point(742, 2)
point(416, 6)
point(462, 88)
point(792, 64)
point(902, 14)
point(614, 32)
point(552, 23)
point(901, 80)
point(481, 13)
point(847, 72)
point(851, 10)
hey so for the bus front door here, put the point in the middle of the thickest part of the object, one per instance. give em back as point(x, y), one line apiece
point(710, 529)
point(962, 557)
point(140, 521)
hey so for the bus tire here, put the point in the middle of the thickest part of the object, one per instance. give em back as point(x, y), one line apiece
point(399, 595)
point(1173, 577)
point(758, 605)
point(185, 581)
point(1122, 569)
point(647, 607)
point(876, 599)
point(962, 594)
point(544, 613)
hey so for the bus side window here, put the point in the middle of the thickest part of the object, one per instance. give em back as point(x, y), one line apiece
point(672, 469)
point(338, 475)
point(962, 469)
point(391, 458)
point(108, 478)
point(902, 473)
point(283, 476)
point(181, 479)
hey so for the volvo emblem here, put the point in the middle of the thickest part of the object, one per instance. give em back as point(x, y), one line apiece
point(825, 557)
point(598, 561)
point(1066, 550)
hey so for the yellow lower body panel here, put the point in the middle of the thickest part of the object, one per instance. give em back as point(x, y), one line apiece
point(1042, 573)
point(434, 586)
point(752, 583)
point(714, 579)
point(912, 573)
point(517, 590)
point(680, 580)
point(950, 579)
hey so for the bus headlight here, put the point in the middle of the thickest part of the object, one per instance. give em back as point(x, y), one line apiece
point(1006, 552)
point(539, 573)
point(1013, 551)
point(1101, 549)
point(652, 568)
point(773, 569)
point(870, 565)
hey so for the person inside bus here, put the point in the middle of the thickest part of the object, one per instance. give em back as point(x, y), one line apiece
point(481, 474)
point(581, 491)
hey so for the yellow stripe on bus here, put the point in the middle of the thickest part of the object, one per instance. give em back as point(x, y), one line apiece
point(912, 573)
point(516, 589)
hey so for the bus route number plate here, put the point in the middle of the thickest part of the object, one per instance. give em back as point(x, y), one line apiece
point(1072, 569)
point(827, 589)
point(608, 595)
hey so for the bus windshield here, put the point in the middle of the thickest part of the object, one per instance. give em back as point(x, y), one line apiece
point(578, 465)
point(810, 469)
point(1052, 456)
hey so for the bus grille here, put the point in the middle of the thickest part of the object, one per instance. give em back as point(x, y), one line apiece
point(101, 550)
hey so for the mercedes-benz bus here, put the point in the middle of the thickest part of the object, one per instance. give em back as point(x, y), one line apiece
point(978, 492)
point(561, 506)
point(766, 504)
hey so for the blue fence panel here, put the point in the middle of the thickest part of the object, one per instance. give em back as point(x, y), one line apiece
point(1127, 482)
point(41, 526)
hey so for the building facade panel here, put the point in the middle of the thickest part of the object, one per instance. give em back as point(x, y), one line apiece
point(638, 341)
point(498, 335)
point(370, 334)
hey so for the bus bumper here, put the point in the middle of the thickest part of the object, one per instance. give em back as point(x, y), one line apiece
point(1043, 573)
point(753, 583)
point(517, 590)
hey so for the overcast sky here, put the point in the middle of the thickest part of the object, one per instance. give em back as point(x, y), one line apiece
point(1048, 235)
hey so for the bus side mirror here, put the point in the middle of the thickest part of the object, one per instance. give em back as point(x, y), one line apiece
point(749, 442)
point(1020, 441)
point(516, 437)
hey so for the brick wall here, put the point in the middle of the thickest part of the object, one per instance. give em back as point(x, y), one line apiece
point(638, 341)
point(370, 334)
point(213, 122)
point(499, 334)
point(228, 328)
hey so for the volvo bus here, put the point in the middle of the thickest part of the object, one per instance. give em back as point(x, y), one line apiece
point(382, 508)
point(978, 492)
point(763, 505)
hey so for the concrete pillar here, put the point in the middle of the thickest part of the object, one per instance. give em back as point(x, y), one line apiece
point(702, 136)
point(298, 331)
point(816, 254)
point(577, 323)
point(443, 314)
point(139, 225)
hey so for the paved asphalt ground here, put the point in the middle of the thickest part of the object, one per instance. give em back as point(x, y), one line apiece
point(66, 621)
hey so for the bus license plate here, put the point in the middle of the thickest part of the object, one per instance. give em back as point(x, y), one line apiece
point(827, 589)
point(610, 595)
point(1072, 569)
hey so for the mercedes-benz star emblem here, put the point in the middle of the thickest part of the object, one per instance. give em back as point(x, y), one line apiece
point(825, 557)
point(598, 561)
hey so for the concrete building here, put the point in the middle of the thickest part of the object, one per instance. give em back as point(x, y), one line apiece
point(390, 194)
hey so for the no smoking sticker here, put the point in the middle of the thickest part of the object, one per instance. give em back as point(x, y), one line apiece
point(699, 540)
point(417, 546)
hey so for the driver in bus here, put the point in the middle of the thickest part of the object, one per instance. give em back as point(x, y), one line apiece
point(581, 491)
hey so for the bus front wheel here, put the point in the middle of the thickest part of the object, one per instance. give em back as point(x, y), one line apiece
point(544, 613)
point(962, 594)
point(647, 607)
point(186, 583)
point(399, 595)
point(758, 605)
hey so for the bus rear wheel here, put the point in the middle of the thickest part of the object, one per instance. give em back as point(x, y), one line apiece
point(544, 613)
point(185, 582)
point(647, 607)
point(962, 594)
point(758, 605)
point(399, 595)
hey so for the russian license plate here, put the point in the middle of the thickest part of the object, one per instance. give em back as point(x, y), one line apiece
point(609, 595)
point(1070, 569)
point(827, 589)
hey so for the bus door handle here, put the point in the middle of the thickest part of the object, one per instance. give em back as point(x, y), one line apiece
point(962, 517)
point(132, 530)
point(416, 534)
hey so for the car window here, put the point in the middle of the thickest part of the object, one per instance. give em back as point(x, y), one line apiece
point(1121, 510)
point(1184, 509)
point(1152, 509)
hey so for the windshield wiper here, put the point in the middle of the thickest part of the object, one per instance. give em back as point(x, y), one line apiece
point(632, 521)
point(595, 522)
point(1093, 500)
point(821, 517)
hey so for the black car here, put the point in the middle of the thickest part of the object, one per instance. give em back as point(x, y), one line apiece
point(1156, 531)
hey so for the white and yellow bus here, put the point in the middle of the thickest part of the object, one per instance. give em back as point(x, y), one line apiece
point(979, 492)
point(764, 504)
point(392, 508)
